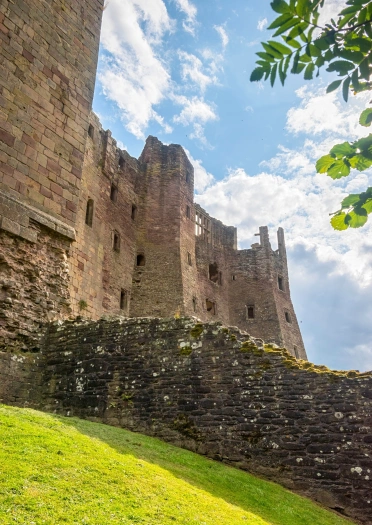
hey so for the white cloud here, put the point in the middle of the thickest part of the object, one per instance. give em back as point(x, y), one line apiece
point(290, 193)
point(202, 178)
point(192, 69)
point(189, 9)
point(262, 24)
point(195, 112)
point(326, 113)
point(224, 37)
point(133, 76)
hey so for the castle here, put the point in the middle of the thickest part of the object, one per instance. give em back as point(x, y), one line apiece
point(87, 229)
point(115, 286)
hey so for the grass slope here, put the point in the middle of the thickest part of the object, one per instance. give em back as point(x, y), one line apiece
point(58, 471)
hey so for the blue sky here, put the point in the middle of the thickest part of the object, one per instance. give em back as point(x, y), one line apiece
point(179, 70)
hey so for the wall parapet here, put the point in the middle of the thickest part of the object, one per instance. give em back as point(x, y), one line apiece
point(219, 392)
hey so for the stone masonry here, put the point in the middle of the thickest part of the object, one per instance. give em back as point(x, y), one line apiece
point(213, 390)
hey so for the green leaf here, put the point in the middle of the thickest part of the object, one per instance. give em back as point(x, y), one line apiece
point(291, 42)
point(340, 66)
point(350, 200)
point(345, 20)
point(266, 56)
point(271, 51)
point(321, 43)
point(324, 163)
point(293, 22)
point(360, 162)
point(273, 74)
point(257, 74)
point(309, 71)
point(282, 19)
point(356, 220)
point(368, 206)
point(282, 75)
point(279, 6)
point(280, 48)
point(338, 222)
point(364, 144)
point(365, 118)
point(333, 85)
point(342, 150)
point(355, 80)
point(345, 88)
point(340, 168)
point(302, 7)
point(360, 43)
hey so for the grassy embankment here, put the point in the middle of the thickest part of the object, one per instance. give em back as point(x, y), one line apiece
point(60, 471)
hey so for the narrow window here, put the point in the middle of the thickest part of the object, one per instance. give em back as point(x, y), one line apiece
point(189, 258)
point(89, 213)
point(280, 283)
point(194, 304)
point(233, 277)
point(188, 212)
point(211, 306)
point(123, 300)
point(121, 162)
point(91, 131)
point(213, 273)
point(287, 317)
point(114, 193)
point(295, 351)
point(187, 177)
point(116, 242)
point(250, 312)
point(140, 259)
point(134, 212)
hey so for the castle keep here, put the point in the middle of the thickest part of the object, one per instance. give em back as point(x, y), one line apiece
point(87, 229)
point(115, 286)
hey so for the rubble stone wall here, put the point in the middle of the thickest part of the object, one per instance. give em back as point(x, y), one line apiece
point(215, 391)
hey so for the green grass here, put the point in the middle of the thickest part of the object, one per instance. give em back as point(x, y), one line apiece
point(58, 471)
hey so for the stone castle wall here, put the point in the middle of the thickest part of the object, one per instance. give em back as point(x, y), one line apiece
point(213, 390)
point(190, 263)
point(48, 57)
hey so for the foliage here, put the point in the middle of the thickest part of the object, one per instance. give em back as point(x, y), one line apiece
point(58, 470)
point(345, 47)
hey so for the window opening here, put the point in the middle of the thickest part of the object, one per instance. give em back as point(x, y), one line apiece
point(114, 193)
point(91, 131)
point(233, 277)
point(211, 306)
point(187, 177)
point(189, 258)
point(194, 304)
point(250, 311)
point(116, 243)
point(280, 283)
point(140, 259)
point(296, 351)
point(287, 317)
point(134, 212)
point(121, 162)
point(214, 274)
point(202, 227)
point(220, 278)
point(89, 213)
point(123, 300)
point(188, 212)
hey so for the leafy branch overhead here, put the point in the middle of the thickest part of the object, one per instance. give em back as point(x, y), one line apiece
point(345, 47)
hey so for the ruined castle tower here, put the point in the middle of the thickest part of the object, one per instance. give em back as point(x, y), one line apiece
point(87, 229)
